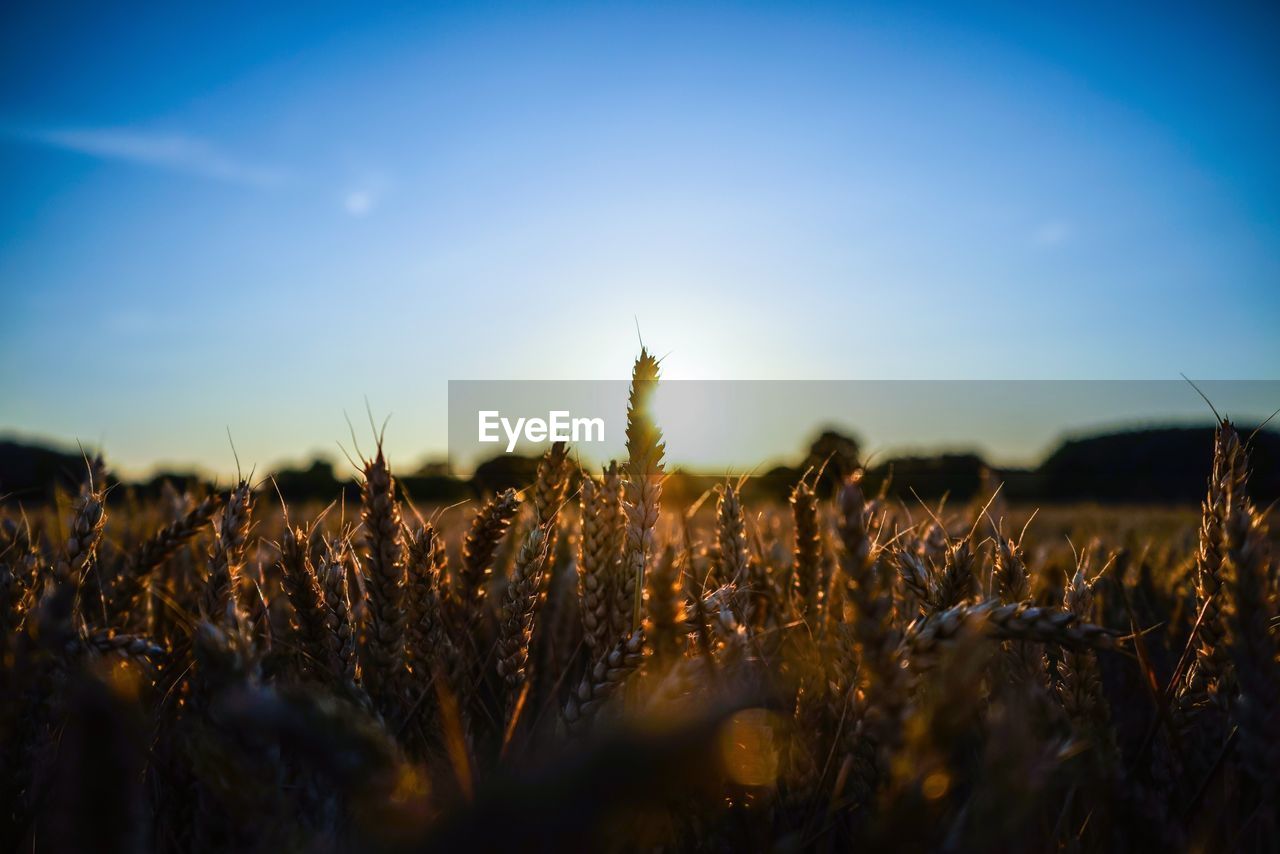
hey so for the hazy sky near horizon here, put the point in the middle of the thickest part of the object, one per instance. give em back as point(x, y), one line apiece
point(233, 217)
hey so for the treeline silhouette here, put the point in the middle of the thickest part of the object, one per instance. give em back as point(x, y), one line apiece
point(1166, 465)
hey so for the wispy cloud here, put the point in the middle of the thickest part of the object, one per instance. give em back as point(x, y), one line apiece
point(359, 202)
point(1054, 233)
point(175, 152)
point(365, 194)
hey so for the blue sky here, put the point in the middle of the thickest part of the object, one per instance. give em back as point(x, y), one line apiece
point(229, 218)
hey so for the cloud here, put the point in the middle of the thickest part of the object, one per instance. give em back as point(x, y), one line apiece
point(1054, 233)
point(189, 155)
point(175, 152)
point(364, 195)
point(358, 202)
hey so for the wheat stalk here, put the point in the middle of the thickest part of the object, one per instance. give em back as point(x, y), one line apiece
point(807, 561)
point(955, 583)
point(426, 564)
point(1249, 637)
point(157, 549)
point(1079, 685)
point(516, 612)
point(642, 493)
point(89, 517)
point(384, 573)
point(127, 646)
point(340, 629)
point(664, 626)
point(599, 556)
point(488, 527)
point(602, 682)
point(1024, 662)
point(302, 587)
point(226, 560)
point(1017, 622)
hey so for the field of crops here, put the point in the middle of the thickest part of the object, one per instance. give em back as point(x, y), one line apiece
point(582, 666)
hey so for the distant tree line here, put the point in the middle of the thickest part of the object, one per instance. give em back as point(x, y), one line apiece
point(1151, 466)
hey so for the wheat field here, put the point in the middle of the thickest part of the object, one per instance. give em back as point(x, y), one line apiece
point(580, 665)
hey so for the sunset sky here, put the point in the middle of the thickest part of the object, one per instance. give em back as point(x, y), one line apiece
point(218, 218)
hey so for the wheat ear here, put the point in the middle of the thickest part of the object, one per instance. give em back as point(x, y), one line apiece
point(487, 530)
point(384, 573)
point(807, 560)
point(643, 493)
point(599, 555)
point(226, 559)
point(515, 615)
point(602, 681)
point(298, 578)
